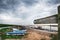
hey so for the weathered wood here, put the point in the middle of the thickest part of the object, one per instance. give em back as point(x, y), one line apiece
point(59, 22)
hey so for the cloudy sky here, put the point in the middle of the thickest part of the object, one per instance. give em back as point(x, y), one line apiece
point(25, 11)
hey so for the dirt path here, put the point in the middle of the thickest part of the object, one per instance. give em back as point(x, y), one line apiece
point(32, 35)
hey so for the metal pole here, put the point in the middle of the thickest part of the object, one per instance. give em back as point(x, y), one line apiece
point(50, 27)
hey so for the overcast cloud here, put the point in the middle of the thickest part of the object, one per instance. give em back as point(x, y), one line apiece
point(25, 11)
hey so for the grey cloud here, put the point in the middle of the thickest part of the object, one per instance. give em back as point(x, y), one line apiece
point(10, 4)
point(5, 4)
point(29, 2)
point(53, 2)
point(12, 9)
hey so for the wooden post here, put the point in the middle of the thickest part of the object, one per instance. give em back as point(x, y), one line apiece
point(59, 22)
point(50, 25)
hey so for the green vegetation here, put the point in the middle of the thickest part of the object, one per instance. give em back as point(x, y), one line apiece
point(4, 36)
point(54, 37)
point(6, 30)
point(11, 36)
point(6, 25)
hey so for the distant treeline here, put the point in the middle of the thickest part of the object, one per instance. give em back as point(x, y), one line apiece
point(6, 25)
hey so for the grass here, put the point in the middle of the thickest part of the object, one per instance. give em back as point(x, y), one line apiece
point(4, 36)
point(5, 30)
point(11, 36)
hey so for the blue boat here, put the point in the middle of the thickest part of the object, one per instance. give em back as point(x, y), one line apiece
point(17, 32)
